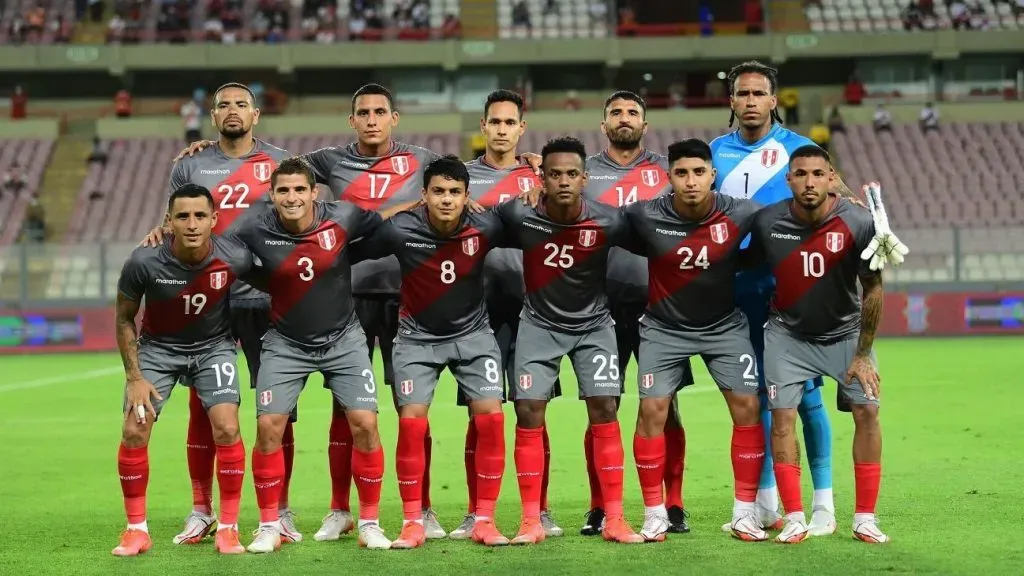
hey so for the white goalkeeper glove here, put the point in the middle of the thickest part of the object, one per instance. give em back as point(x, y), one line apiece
point(885, 247)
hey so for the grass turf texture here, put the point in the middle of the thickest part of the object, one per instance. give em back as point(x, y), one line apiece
point(950, 491)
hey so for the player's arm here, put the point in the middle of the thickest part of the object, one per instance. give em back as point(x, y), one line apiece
point(630, 238)
point(138, 391)
point(387, 213)
point(127, 336)
point(753, 255)
point(871, 310)
point(509, 214)
point(322, 161)
point(380, 244)
point(249, 268)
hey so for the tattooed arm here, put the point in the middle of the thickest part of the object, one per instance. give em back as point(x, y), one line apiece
point(871, 311)
point(127, 337)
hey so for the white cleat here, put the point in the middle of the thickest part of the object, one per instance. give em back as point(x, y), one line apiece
point(748, 528)
point(867, 531)
point(267, 539)
point(336, 523)
point(289, 532)
point(769, 519)
point(795, 530)
point(432, 526)
point(465, 530)
point(372, 537)
point(197, 526)
point(551, 528)
point(655, 527)
point(823, 522)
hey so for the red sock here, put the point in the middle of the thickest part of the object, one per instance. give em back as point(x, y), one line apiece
point(649, 454)
point(368, 472)
point(747, 460)
point(428, 444)
point(339, 457)
point(490, 461)
point(288, 447)
point(230, 473)
point(529, 455)
point(409, 465)
point(595, 487)
point(471, 443)
point(787, 476)
point(268, 475)
point(200, 452)
point(608, 460)
point(547, 472)
point(867, 477)
point(675, 455)
point(133, 469)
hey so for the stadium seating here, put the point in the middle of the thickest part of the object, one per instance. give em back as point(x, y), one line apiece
point(31, 155)
point(63, 9)
point(885, 16)
point(572, 20)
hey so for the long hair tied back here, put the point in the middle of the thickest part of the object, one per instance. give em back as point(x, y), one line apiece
point(753, 67)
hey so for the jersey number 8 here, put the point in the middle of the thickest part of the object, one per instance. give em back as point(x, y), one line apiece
point(447, 272)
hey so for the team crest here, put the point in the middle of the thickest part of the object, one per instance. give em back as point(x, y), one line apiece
point(834, 242)
point(647, 380)
point(771, 392)
point(262, 170)
point(525, 381)
point(769, 157)
point(588, 238)
point(266, 397)
point(327, 239)
point(406, 387)
point(525, 184)
point(400, 164)
point(218, 279)
point(471, 245)
point(719, 233)
point(650, 177)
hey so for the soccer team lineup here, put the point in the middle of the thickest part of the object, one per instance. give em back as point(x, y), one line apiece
point(748, 251)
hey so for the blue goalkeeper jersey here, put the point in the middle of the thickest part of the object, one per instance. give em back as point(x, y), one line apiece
point(756, 171)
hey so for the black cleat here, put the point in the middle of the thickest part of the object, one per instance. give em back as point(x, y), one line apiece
point(594, 523)
point(677, 520)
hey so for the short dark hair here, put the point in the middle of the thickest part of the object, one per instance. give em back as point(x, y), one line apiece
point(754, 67)
point(189, 191)
point(448, 166)
point(625, 95)
point(290, 166)
point(239, 85)
point(810, 151)
point(689, 148)
point(503, 96)
point(566, 144)
point(373, 90)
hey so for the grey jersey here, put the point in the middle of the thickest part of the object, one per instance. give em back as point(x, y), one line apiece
point(619, 185)
point(308, 274)
point(442, 295)
point(236, 185)
point(565, 265)
point(815, 268)
point(692, 264)
point(186, 307)
point(372, 184)
point(491, 186)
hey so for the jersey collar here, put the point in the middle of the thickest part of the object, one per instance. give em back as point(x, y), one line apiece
point(642, 157)
point(771, 134)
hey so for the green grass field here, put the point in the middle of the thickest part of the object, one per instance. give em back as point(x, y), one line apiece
point(950, 494)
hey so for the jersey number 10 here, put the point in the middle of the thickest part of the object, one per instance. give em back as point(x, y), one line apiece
point(814, 264)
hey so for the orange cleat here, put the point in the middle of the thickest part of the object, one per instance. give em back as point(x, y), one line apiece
point(616, 529)
point(133, 543)
point(531, 531)
point(413, 536)
point(486, 533)
point(226, 541)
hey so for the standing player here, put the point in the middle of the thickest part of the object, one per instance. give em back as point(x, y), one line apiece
point(819, 326)
point(236, 169)
point(565, 242)
point(692, 239)
point(751, 163)
point(186, 334)
point(625, 173)
point(303, 246)
point(497, 176)
point(441, 248)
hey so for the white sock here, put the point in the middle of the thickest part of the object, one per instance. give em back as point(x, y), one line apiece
point(144, 526)
point(276, 525)
point(283, 510)
point(404, 522)
point(481, 518)
point(658, 510)
point(741, 508)
point(858, 518)
point(768, 498)
point(823, 499)
point(222, 526)
point(797, 517)
point(365, 522)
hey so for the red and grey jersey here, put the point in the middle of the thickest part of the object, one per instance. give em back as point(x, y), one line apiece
point(691, 264)
point(372, 183)
point(491, 186)
point(236, 184)
point(308, 275)
point(442, 296)
point(619, 185)
point(186, 306)
point(565, 265)
point(815, 268)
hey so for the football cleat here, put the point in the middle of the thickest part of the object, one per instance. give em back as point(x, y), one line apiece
point(486, 533)
point(336, 523)
point(197, 526)
point(748, 528)
point(413, 536)
point(868, 531)
point(594, 523)
point(289, 532)
point(823, 522)
point(266, 539)
point(677, 520)
point(226, 541)
point(465, 529)
point(655, 527)
point(551, 528)
point(371, 537)
point(133, 542)
point(618, 530)
point(432, 525)
point(530, 532)
point(795, 530)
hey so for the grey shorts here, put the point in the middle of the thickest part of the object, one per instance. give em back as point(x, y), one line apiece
point(725, 349)
point(211, 372)
point(789, 362)
point(344, 363)
point(474, 360)
point(539, 353)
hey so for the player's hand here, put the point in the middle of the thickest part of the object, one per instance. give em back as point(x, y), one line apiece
point(863, 370)
point(534, 160)
point(155, 237)
point(532, 197)
point(197, 146)
point(138, 402)
point(474, 206)
point(885, 247)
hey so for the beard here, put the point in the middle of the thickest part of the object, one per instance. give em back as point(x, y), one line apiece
point(233, 133)
point(624, 140)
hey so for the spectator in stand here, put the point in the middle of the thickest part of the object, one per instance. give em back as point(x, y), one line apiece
point(882, 120)
point(835, 121)
point(98, 154)
point(19, 103)
point(96, 9)
point(550, 7)
point(599, 11)
point(35, 19)
point(754, 17)
point(929, 118)
point(14, 182)
point(116, 29)
point(123, 104)
point(978, 17)
point(573, 102)
point(927, 8)
point(677, 95)
point(912, 17)
point(451, 28)
point(173, 21)
point(231, 18)
point(60, 29)
point(627, 21)
point(192, 120)
point(521, 15)
point(421, 15)
point(959, 15)
point(820, 135)
point(35, 221)
point(16, 31)
point(706, 18)
point(1018, 8)
point(789, 99)
point(854, 92)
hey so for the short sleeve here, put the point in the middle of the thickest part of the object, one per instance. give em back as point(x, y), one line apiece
point(754, 254)
point(379, 244)
point(629, 237)
point(179, 176)
point(322, 161)
point(509, 216)
point(132, 283)
point(364, 222)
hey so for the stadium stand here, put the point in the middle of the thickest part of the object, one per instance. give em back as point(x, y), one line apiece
point(569, 19)
point(894, 15)
point(31, 155)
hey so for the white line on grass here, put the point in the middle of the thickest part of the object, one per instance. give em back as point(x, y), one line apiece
point(73, 377)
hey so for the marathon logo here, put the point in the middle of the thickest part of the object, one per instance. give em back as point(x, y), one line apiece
point(779, 236)
point(278, 243)
point(420, 245)
point(351, 164)
point(537, 227)
point(215, 171)
point(171, 281)
point(670, 232)
point(231, 391)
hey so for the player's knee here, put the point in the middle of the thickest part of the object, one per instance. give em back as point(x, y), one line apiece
point(782, 423)
point(134, 434)
point(530, 413)
point(865, 416)
point(490, 406)
point(652, 416)
point(413, 411)
point(602, 409)
point(269, 431)
point(224, 421)
point(363, 424)
point(745, 408)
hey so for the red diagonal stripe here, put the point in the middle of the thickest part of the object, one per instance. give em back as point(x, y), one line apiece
point(287, 288)
point(240, 190)
point(374, 187)
point(791, 284)
point(666, 278)
point(422, 286)
point(539, 275)
point(634, 178)
point(168, 318)
point(506, 188)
